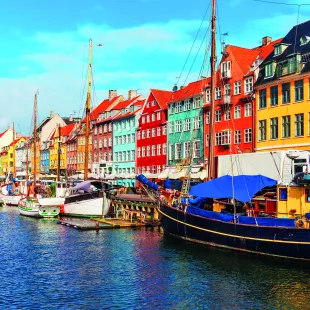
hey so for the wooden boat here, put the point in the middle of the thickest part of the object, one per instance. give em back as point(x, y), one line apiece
point(202, 215)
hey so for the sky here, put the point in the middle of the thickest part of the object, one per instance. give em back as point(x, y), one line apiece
point(145, 43)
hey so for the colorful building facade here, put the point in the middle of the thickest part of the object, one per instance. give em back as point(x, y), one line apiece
point(151, 143)
point(283, 94)
point(124, 142)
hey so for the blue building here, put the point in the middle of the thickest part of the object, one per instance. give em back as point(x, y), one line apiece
point(45, 158)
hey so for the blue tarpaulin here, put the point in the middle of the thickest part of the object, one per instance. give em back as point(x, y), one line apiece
point(240, 187)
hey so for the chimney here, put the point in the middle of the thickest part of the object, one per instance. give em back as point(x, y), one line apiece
point(70, 117)
point(51, 114)
point(266, 40)
point(132, 94)
point(112, 94)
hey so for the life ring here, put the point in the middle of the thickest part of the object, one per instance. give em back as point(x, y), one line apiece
point(299, 223)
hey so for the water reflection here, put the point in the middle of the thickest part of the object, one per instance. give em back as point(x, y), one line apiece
point(52, 266)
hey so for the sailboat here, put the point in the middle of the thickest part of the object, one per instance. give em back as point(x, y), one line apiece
point(34, 205)
point(89, 197)
point(225, 212)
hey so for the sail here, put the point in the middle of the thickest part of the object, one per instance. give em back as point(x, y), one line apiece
point(241, 187)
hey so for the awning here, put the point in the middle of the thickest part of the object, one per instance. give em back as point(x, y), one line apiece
point(241, 187)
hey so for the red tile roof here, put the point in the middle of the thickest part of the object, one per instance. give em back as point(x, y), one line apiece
point(2, 133)
point(66, 130)
point(139, 104)
point(190, 90)
point(162, 97)
point(16, 141)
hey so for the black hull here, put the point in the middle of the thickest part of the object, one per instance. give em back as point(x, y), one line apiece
point(292, 243)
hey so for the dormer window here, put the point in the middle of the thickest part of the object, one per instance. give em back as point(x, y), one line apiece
point(280, 48)
point(269, 70)
point(304, 40)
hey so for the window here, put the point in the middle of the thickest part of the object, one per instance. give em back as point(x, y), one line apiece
point(186, 146)
point(274, 128)
point(128, 139)
point(197, 149)
point(171, 108)
point(133, 140)
point(158, 115)
point(299, 90)
point(225, 137)
point(207, 139)
point(273, 96)
point(164, 149)
point(178, 107)
point(286, 93)
point(139, 152)
point(158, 168)
point(153, 150)
point(158, 149)
point(153, 117)
point(143, 151)
point(158, 131)
point(208, 118)
point(148, 104)
point(197, 102)
point(217, 93)
point(143, 134)
point(248, 85)
point(171, 151)
point(139, 135)
point(227, 89)
point(237, 88)
point(165, 130)
point(248, 135)
point(218, 115)
point(227, 115)
point(218, 138)
point(196, 122)
point(148, 151)
point(187, 124)
point(262, 130)
point(269, 70)
point(208, 98)
point(187, 105)
point(237, 111)
point(171, 127)
point(153, 103)
point(283, 194)
point(277, 50)
point(299, 125)
point(153, 132)
point(178, 126)
point(262, 99)
point(178, 149)
point(286, 126)
point(248, 109)
point(148, 118)
point(148, 133)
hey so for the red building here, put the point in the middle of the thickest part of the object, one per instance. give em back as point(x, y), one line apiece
point(102, 132)
point(71, 148)
point(151, 141)
point(234, 99)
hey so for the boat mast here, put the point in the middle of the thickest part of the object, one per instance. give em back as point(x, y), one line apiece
point(58, 153)
point(14, 171)
point(87, 129)
point(26, 145)
point(211, 170)
point(35, 140)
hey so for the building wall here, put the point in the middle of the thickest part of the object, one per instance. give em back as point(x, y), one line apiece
point(71, 149)
point(124, 147)
point(292, 108)
point(7, 138)
point(180, 136)
point(158, 160)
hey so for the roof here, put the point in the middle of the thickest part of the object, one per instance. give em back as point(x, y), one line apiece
point(2, 133)
point(16, 141)
point(162, 97)
point(66, 130)
point(103, 106)
point(192, 89)
point(139, 104)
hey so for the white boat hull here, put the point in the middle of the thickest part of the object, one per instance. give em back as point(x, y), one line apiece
point(10, 200)
point(87, 208)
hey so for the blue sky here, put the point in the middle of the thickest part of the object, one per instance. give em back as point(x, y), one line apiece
point(145, 44)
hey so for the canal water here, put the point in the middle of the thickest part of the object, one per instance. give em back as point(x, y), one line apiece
point(50, 266)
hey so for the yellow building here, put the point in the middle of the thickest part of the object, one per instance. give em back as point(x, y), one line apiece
point(58, 151)
point(283, 96)
point(7, 157)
